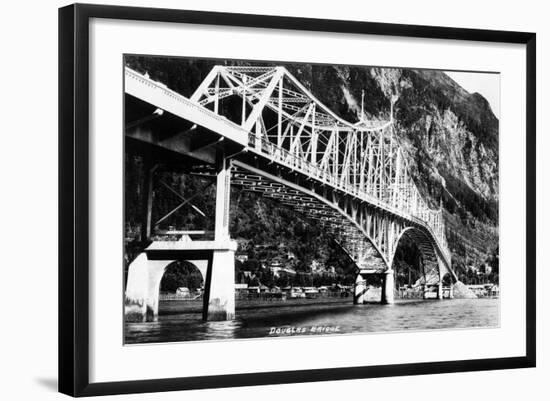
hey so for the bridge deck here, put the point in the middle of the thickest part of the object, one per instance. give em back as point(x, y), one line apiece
point(166, 99)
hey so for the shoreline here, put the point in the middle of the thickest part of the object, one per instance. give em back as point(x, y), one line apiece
point(195, 306)
point(176, 307)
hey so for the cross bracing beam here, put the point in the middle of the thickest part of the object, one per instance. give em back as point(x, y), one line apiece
point(220, 93)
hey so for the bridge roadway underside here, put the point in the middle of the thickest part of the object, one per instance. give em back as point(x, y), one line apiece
point(302, 195)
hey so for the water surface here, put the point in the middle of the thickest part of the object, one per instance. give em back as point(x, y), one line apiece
point(334, 318)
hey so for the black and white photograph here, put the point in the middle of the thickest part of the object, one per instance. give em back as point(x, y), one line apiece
point(275, 201)
point(267, 199)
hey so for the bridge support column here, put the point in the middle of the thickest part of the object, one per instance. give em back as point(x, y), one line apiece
point(451, 295)
point(223, 188)
point(360, 289)
point(219, 297)
point(440, 290)
point(388, 296)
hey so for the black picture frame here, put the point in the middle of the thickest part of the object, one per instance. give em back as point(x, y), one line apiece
point(74, 198)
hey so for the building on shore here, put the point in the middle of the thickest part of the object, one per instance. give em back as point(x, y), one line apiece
point(277, 267)
point(485, 290)
point(241, 256)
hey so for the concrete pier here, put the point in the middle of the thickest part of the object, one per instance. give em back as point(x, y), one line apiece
point(388, 296)
point(215, 261)
point(142, 289)
point(359, 290)
point(219, 297)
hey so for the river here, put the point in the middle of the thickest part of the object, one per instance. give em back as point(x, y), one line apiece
point(334, 318)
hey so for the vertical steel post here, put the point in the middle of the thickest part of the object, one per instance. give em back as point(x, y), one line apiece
point(223, 183)
point(147, 199)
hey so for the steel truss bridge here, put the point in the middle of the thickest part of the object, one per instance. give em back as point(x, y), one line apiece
point(274, 137)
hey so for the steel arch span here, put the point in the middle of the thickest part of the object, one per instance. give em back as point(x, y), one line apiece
point(266, 132)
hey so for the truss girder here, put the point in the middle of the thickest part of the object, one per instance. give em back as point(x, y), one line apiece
point(362, 163)
point(368, 235)
point(299, 132)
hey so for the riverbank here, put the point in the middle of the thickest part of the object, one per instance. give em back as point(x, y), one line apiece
point(371, 296)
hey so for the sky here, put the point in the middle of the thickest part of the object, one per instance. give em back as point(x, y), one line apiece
point(486, 84)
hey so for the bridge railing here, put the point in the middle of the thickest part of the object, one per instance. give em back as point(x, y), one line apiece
point(159, 94)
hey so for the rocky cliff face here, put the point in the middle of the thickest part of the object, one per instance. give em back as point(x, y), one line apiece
point(447, 133)
point(449, 136)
